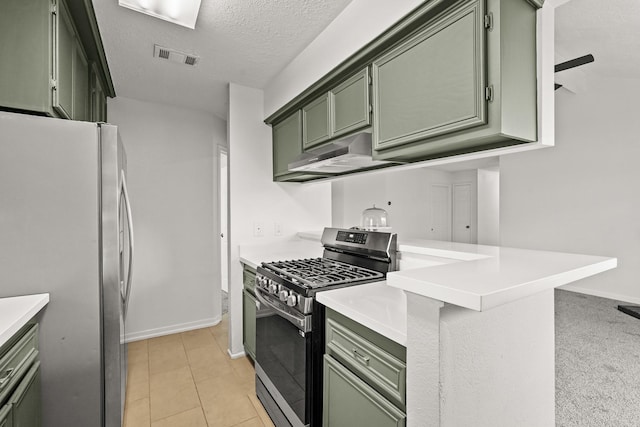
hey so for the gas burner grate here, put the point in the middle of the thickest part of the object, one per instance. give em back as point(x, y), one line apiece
point(319, 272)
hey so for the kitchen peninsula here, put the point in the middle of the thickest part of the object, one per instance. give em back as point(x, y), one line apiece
point(477, 322)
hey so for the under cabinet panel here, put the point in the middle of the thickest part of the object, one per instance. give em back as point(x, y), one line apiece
point(433, 83)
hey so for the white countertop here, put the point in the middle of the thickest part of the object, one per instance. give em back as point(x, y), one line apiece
point(490, 276)
point(477, 277)
point(377, 306)
point(254, 255)
point(15, 312)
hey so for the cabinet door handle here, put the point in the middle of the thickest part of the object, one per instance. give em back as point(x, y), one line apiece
point(361, 357)
point(6, 376)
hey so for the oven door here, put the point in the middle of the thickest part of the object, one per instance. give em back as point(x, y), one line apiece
point(283, 358)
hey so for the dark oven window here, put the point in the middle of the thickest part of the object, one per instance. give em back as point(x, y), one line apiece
point(283, 352)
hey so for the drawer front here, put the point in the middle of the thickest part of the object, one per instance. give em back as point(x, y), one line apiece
point(380, 369)
point(249, 279)
point(17, 360)
point(349, 401)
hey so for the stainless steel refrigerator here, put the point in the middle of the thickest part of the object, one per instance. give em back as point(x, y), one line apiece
point(65, 229)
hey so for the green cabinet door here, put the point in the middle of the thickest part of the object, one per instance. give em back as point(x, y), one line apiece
point(433, 83)
point(25, 67)
point(350, 105)
point(287, 143)
point(349, 401)
point(81, 96)
point(316, 121)
point(63, 61)
point(6, 418)
point(27, 401)
point(249, 323)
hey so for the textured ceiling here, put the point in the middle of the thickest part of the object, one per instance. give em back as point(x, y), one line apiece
point(608, 29)
point(242, 41)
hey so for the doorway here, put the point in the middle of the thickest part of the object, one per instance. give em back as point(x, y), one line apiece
point(223, 225)
point(440, 227)
point(462, 215)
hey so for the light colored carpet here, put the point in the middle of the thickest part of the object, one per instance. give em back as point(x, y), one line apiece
point(597, 362)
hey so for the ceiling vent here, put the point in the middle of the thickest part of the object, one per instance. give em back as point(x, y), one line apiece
point(175, 56)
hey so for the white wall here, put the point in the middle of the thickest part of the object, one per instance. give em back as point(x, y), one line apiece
point(357, 25)
point(489, 206)
point(254, 197)
point(171, 156)
point(409, 194)
point(583, 195)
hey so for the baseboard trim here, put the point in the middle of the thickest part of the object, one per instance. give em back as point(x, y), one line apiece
point(601, 294)
point(171, 329)
point(236, 355)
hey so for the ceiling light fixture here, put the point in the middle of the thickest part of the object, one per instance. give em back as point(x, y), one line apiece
point(181, 12)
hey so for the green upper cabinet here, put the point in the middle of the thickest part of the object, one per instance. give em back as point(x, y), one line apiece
point(26, 60)
point(46, 63)
point(287, 146)
point(452, 77)
point(316, 122)
point(434, 82)
point(71, 69)
point(351, 105)
point(465, 81)
point(340, 111)
point(287, 143)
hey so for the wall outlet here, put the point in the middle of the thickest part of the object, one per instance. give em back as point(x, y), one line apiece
point(258, 229)
point(277, 229)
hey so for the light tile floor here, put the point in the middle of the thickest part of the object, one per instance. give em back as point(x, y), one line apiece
point(189, 380)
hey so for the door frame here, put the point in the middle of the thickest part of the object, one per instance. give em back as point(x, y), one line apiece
point(222, 156)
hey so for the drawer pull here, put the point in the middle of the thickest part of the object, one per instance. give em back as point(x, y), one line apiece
point(6, 376)
point(362, 358)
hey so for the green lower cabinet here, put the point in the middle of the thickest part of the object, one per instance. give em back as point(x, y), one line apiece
point(249, 323)
point(26, 402)
point(349, 401)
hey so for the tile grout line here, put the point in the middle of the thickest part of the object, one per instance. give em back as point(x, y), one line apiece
point(194, 380)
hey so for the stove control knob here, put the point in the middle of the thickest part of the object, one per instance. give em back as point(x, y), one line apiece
point(283, 295)
point(273, 288)
point(292, 300)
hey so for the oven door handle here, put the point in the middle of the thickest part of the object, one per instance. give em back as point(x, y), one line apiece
point(302, 323)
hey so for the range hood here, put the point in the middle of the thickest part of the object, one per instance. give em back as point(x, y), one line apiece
point(345, 155)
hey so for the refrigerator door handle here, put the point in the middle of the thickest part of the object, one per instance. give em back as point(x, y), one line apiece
point(127, 206)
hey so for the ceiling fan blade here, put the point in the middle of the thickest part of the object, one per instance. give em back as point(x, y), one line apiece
point(557, 86)
point(574, 63)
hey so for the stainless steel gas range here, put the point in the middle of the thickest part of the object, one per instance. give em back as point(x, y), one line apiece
point(290, 323)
